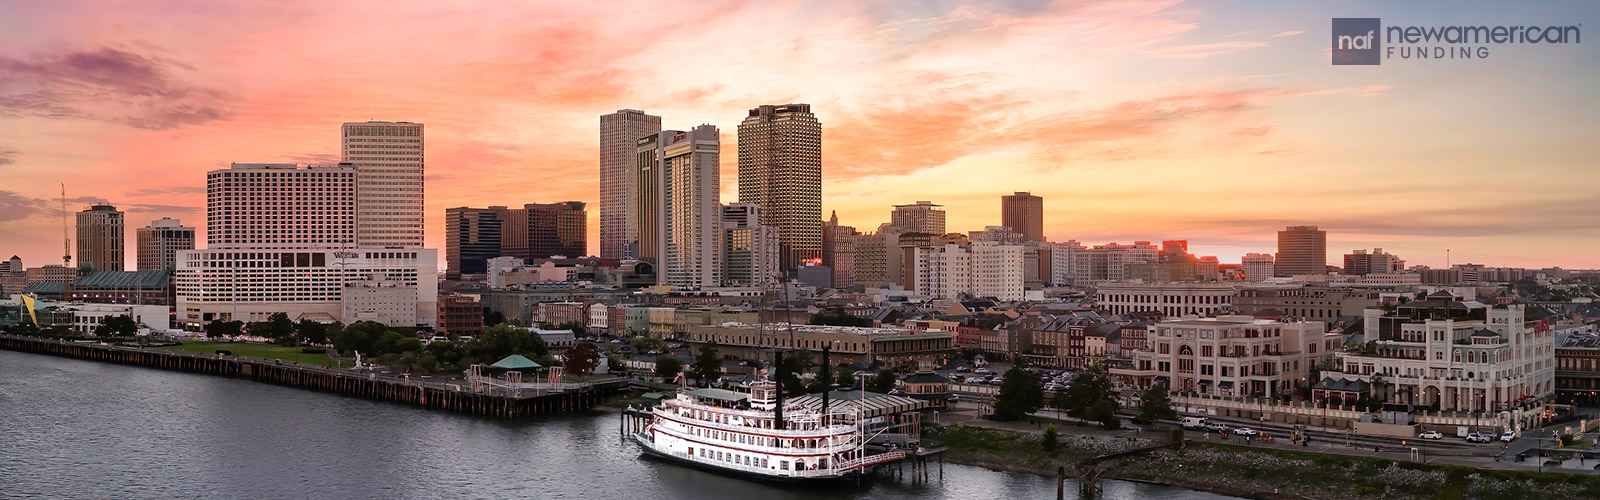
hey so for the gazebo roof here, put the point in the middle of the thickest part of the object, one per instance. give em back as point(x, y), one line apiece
point(515, 362)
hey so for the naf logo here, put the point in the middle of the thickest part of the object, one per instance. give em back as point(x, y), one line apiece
point(1357, 41)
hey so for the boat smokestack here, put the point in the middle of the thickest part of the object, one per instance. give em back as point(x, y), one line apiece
point(777, 411)
point(827, 384)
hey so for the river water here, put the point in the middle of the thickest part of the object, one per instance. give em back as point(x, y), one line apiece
point(80, 429)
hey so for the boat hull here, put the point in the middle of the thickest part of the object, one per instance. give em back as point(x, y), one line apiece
point(649, 450)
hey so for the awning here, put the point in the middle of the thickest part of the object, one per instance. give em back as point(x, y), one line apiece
point(1205, 382)
point(1225, 383)
point(1161, 378)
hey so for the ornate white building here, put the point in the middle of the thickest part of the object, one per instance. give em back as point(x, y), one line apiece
point(1458, 354)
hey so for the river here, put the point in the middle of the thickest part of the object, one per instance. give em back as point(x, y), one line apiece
point(81, 429)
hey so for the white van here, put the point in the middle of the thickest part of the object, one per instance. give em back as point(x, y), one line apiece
point(1193, 423)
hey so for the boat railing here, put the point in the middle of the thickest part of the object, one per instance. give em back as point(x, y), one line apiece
point(832, 430)
point(761, 448)
point(758, 470)
point(871, 460)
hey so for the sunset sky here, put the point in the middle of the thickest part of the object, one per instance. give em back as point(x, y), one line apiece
point(1219, 122)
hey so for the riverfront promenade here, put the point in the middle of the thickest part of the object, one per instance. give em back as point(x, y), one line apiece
point(485, 400)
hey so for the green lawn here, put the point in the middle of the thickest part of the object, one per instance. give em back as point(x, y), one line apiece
point(255, 350)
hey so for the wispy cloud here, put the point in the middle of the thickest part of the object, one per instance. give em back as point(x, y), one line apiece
point(105, 84)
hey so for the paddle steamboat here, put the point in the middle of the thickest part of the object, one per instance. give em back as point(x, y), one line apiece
point(753, 432)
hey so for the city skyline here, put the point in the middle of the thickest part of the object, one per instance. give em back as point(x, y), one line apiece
point(1265, 119)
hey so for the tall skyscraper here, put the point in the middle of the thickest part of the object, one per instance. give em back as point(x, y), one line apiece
point(388, 160)
point(160, 242)
point(619, 177)
point(1301, 250)
point(1023, 213)
point(780, 169)
point(472, 236)
point(922, 217)
point(262, 205)
point(687, 212)
point(100, 238)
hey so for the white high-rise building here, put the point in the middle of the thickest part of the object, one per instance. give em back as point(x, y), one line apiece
point(690, 229)
point(619, 178)
point(982, 269)
point(260, 205)
point(283, 239)
point(997, 270)
point(388, 160)
point(1064, 259)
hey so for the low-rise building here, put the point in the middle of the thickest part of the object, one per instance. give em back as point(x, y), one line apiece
point(1169, 299)
point(379, 298)
point(561, 313)
point(893, 346)
point(1309, 302)
point(460, 315)
point(1229, 356)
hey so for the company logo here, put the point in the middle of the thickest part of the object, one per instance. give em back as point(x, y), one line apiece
point(1357, 41)
point(1364, 40)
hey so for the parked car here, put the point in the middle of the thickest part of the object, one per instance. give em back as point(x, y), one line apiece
point(1479, 438)
point(1507, 436)
point(1193, 423)
point(1244, 431)
point(1214, 427)
point(1431, 435)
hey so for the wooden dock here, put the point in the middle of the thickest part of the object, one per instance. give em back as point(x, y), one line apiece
point(574, 397)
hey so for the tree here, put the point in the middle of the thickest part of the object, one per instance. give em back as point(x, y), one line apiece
point(615, 366)
point(360, 337)
point(884, 382)
point(1090, 387)
point(1155, 405)
point(492, 317)
point(311, 331)
point(116, 326)
point(1020, 394)
point(1105, 412)
point(668, 367)
point(408, 343)
point(1051, 439)
point(218, 328)
point(847, 377)
point(707, 365)
point(582, 358)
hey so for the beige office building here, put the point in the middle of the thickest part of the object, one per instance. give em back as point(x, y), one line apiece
point(1302, 250)
point(388, 160)
point(619, 178)
point(101, 230)
point(780, 169)
point(160, 242)
point(921, 217)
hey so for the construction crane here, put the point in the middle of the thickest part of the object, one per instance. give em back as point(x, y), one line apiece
point(66, 250)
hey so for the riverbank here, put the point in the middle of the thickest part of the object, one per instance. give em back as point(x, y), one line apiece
point(1254, 472)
